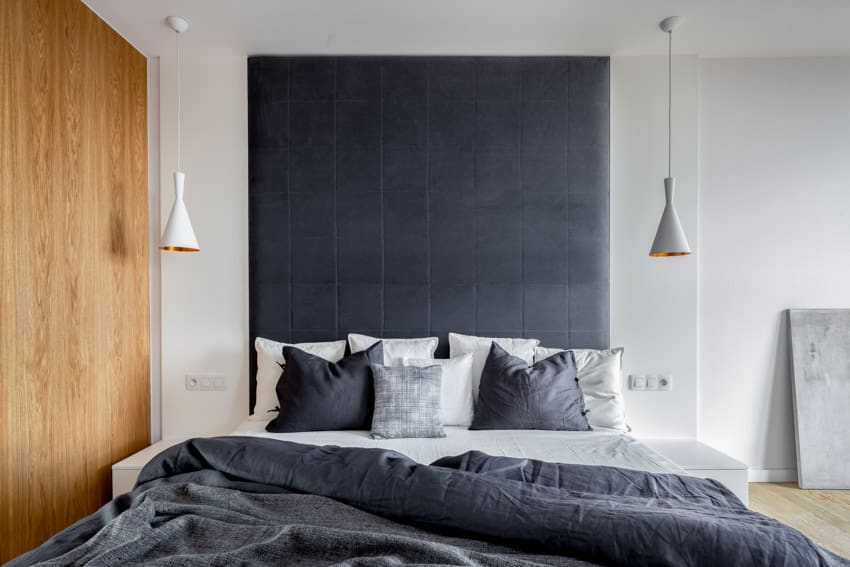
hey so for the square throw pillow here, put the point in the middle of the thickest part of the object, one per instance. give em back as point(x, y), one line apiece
point(317, 395)
point(407, 402)
point(270, 367)
point(456, 387)
point(601, 382)
point(479, 347)
point(516, 396)
point(395, 350)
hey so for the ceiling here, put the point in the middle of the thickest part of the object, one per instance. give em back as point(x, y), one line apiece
point(713, 28)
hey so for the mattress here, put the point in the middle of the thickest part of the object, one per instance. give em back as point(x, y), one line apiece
point(599, 447)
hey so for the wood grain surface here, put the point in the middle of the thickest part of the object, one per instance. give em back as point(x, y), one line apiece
point(74, 309)
point(823, 515)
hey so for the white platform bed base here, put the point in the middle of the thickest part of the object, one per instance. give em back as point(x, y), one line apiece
point(682, 456)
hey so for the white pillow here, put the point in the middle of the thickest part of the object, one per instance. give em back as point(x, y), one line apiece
point(601, 382)
point(396, 350)
point(269, 369)
point(455, 387)
point(479, 347)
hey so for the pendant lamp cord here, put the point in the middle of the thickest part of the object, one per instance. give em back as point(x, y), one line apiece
point(178, 101)
point(669, 103)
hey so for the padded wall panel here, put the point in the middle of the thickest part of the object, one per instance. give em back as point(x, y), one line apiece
point(409, 196)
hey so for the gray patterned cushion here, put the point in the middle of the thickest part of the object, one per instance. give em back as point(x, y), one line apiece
point(407, 402)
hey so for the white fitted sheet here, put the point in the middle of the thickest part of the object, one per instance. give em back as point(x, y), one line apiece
point(599, 447)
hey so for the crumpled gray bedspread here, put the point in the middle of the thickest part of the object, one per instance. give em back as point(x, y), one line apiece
point(241, 500)
point(191, 524)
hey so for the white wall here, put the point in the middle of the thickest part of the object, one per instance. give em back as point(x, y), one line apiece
point(654, 300)
point(775, 234)
point(205, 294)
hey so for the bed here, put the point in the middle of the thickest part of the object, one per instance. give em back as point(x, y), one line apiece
point(261, 501)
point(498, 497)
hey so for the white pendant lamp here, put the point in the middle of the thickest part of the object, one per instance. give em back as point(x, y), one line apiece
point(178, 236)
point(670, 239)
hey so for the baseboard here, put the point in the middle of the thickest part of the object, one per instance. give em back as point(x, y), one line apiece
point(772, 475)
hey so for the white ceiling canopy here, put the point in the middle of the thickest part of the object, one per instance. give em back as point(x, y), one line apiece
point(714, 28)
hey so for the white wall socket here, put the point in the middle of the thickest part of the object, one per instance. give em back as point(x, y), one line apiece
point(653, 382)
point(206, 382)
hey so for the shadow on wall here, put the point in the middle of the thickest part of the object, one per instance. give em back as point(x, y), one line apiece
point(779, 435)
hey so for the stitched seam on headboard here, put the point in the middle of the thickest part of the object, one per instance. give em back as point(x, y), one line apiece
point(381, 191)
point(474, 204)
point(568, 311)
point(522, 200)
point(428, 191)
point(289, 184)
point(336, 207)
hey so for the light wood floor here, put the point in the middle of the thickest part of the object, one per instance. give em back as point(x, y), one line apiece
point(823, 515)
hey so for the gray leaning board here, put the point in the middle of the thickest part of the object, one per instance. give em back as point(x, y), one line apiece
point(820, 365)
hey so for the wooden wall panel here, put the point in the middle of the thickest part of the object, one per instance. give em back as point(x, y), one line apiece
point(74, 308)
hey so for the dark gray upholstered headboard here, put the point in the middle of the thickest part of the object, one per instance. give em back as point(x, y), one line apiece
point(412, 196)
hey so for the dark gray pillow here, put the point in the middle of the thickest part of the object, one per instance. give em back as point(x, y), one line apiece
point(317, 395)
point(407, 402)
point(513, 395)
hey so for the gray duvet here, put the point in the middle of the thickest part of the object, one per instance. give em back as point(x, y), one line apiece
point(253, 501)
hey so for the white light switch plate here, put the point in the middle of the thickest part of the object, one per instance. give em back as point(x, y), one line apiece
point(206, 382)
point(651, 382)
